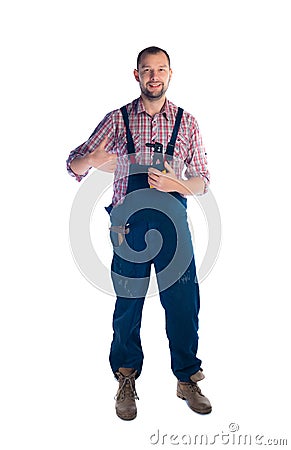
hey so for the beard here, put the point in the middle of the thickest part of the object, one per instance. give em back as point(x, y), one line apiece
point(155, 94)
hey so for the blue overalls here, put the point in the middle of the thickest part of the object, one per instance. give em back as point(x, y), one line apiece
point(155, 231)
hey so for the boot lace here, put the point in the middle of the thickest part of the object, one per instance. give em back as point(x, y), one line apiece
point(126, 387)
point(194, 388)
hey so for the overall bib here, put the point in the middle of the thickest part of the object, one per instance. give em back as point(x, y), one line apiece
point(150, 228)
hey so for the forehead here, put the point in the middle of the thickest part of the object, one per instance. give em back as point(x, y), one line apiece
point(158, 59)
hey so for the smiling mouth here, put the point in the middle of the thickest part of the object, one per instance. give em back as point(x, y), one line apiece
point(154, 85)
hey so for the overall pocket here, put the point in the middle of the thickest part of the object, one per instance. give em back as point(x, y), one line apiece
point(117, 234)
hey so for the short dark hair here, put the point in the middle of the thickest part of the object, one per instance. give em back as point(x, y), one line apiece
point(152, 51)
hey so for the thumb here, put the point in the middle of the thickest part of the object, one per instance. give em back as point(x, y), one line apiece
point(102, 144)
point(169, 168)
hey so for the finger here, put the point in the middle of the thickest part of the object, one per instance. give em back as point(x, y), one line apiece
point(108, 166)
point(169, 168)
point(111, 169)
point(151, 182)
point(153, 176)
point(152, 170)
point(111, 158)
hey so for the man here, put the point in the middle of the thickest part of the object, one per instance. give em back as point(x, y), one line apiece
point(156, 153)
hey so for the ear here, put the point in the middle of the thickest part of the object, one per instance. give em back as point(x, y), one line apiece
point(171, 73)
point(136, 75)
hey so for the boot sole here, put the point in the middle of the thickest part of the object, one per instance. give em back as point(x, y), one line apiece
point(205, 411)
point(132, 417)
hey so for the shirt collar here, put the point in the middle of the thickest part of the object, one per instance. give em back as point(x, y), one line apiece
point(139, 108)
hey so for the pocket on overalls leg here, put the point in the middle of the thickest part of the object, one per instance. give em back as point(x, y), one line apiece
point(117, 234)
point(130, 277)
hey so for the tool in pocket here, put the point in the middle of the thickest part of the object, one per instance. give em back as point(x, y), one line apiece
point(120, 232)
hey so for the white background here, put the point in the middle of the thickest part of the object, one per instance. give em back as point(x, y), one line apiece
point(64, 66)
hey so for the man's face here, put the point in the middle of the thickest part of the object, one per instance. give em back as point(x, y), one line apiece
point(153, 75)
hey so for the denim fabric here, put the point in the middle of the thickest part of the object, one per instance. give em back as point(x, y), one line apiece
point(164, 241)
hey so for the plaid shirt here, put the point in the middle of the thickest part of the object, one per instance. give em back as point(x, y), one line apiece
point(189, 159)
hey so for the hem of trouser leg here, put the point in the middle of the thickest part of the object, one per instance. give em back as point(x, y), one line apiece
point(116, 371)
point(187, 378)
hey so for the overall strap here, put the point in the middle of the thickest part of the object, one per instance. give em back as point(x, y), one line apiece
point(171, 144)
point(130, 144)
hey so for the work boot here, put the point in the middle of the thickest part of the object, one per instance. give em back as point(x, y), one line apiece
point(126, 395)
point(190, 392)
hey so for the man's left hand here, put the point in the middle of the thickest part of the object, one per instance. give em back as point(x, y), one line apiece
point(165, 182)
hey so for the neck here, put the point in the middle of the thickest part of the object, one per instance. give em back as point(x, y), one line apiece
point(153, 106)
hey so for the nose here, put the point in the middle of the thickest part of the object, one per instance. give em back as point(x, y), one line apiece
point(154, 74)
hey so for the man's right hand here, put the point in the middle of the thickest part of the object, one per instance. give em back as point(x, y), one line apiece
point(99, 158)
point(102, 160)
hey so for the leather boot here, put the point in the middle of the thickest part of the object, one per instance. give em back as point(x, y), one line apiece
point(126, 395)
point(190, 392)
